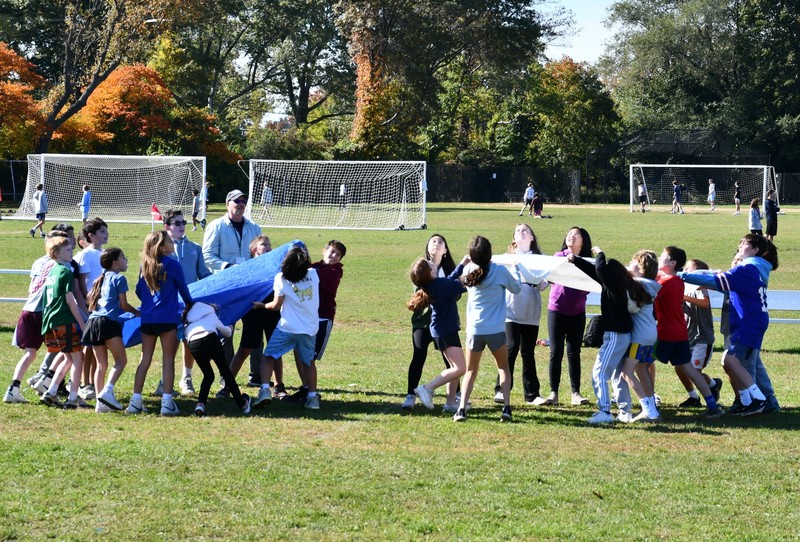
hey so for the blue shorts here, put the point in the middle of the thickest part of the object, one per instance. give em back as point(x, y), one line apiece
point(641, 353)
point(674, 352)
point(747, 355)
point(282, 343)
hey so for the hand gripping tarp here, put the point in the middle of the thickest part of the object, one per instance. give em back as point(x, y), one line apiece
point(535, 268)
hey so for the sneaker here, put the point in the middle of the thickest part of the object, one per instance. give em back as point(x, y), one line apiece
point(246, 405)
point(552, 399)
point(203, 223)
point(312, 402)
point(498, 397)
point(452, 409)
point(264, 398)
point(71, 404)
point(717, 388)
point(506, 414)
point(34, 379)
point(409, 402)
point(578, 399)
point(691, 402)
point(82, 403)
point(42, 385)
point(772, 405)
point(254, 382)
point(51, 400)
point(712, 413)
point(460, 415)
point(657, 399)
point(32, 232)
point(44, 235)
point(102, 408)
point(168, 407)
point(13, 395)
point(136, 406)
point(280, 392)
point(625, 417)
point(194, 228)
point(300, 395)
point(223, 393)
point(159, 389)
point(425, 396)
point(645, 416)
point(87, 392)
point(756, 407)
point(736, 408)
point(187, 386)
point(601, 417)
point(109, 399)
point(538, 401)
point(200, 410)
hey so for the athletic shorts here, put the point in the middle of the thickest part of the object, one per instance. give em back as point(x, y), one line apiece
point(258, 323)
point(642, 199)
point(158, 329)
point(100, 329)
point(447, 341)
point(282, 343)
point(28, 333)
point(477, 343)
point(673, 352)
point(747, 355)
point(641, 353)
point(62, 339)
point(701, 354)
point(323, 334)
point(40, 216)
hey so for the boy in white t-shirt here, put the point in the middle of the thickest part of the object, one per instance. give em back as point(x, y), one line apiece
point(297, 297)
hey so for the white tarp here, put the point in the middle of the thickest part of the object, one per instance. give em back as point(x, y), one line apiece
point(535, 268)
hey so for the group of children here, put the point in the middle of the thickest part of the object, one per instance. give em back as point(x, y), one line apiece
point(647, 312)
point(77, 307)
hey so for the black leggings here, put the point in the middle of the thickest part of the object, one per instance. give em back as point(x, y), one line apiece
point(570, 329)
point(521, 338)
point(421, 339)
point(210, 348)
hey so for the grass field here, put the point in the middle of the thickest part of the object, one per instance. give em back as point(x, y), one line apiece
point(361, 469)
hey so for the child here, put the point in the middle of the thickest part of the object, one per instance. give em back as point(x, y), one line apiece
point(196, 204)
point(538, 205)
point(641, 190)
point(486, 283)
point(438, 253)
point(677, 194)
point(619, 291)
point(297, 299)
point(754, 221)
point(40, 209)
point(442, 295)
point(749, 319)
point(86, 201)
point(712, 193)
point(700, 325)
point(673, 337)
point(60, 319)
point(107, 302)
point(523, 312)
point(527, 200)
point(737, 198)
point(160, 281)
point(771, 211)
point(330, 272)
point(202, 326)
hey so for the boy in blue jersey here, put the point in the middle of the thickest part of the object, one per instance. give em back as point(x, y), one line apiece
point(749, 319)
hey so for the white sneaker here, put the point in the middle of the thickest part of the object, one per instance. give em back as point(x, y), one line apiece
point(194, 228)
point(109, 400)
point(13, 395)
point(87, 392)
point(264, 398)
point(601, 417)
point(409, 402)
point(538, 401)
point(645, 416)
point(425, 396)
point(552, 399)
point(498, 397)
point(159, 389)
point(168, 407)
point(578, 399)
point(42, 385)
point(100, 408)
point(136, 406)
point(186, 385)
point(625, 417)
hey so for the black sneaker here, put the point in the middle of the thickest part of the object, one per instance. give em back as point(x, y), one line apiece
point(223, 393)
point(691, 402)
point(460, 416)
point(736, 408)
point(756, 407)
point(299, 396)
point(279, 392)
point(717, 412)
point(717, 388)
point(506, 415)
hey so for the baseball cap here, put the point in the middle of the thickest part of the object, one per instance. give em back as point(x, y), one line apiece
point(234, 194)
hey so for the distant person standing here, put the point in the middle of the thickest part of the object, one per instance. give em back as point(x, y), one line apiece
point(342, 196)
point(755, 217)
point(737, 198)
point(677, 196)
point(712, 193)
point(86, 201)
point(527, 200)
point(40, 208)
point(642, 192)
point(266, 199)
point(771, 211)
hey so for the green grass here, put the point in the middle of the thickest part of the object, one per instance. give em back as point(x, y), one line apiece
point(360, 469)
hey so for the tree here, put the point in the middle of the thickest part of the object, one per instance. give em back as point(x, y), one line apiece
point(21, 120)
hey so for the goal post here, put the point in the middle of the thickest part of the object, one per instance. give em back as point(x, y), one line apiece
point(336, 194)
point(123, 188)
point(754, 182)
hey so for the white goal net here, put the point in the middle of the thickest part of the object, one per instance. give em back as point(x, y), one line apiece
point(341, 195)
point(660, 179)
point(122, 188)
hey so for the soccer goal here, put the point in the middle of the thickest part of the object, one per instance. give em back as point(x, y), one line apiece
point(123, 188)
point(336, 195)
point(754, 181)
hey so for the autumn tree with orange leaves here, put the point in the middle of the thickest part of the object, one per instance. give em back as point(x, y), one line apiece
point(21, 120)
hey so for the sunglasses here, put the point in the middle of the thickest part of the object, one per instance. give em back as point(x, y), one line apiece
point(240, 201)
point(179, 223)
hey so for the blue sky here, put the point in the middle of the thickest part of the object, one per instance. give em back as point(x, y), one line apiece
point(588, 42)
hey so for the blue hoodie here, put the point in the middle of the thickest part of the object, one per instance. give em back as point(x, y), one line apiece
point(747, 284)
